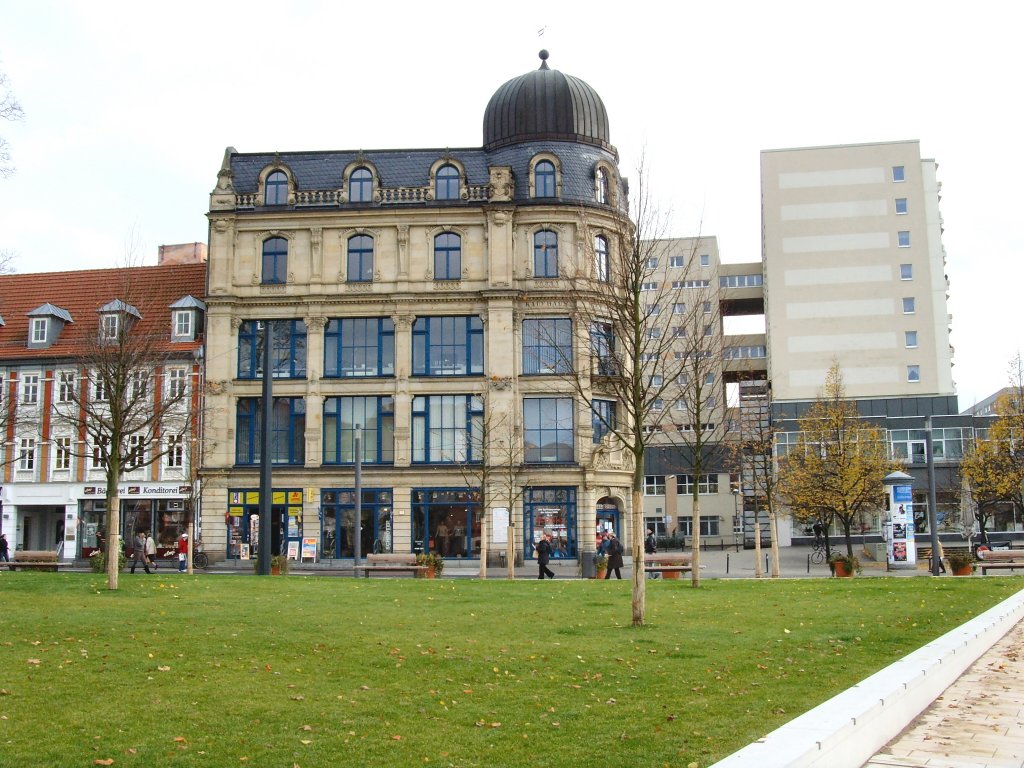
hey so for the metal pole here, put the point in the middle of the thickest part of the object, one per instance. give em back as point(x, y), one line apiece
point(936, 560)
point(266, 481)
point(358, 540)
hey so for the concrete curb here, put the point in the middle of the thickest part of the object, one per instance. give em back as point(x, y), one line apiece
point(849, 729)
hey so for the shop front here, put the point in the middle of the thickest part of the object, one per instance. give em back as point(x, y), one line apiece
point(551, 510)
point(160, 511)
point(446, 521)
point(337, 521)
point(243, 522)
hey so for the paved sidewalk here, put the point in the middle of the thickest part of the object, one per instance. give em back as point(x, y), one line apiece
point(976, 723)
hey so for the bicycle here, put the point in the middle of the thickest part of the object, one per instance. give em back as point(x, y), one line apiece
point(818, 552)
point(199, 558)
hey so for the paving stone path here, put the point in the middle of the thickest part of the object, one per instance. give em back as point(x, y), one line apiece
point(978, 722)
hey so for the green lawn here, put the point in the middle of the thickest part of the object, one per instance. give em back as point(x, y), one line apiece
point(239, 671)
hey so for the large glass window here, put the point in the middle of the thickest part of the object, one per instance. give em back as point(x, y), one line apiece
point(446, 183)
point(287, 431)
point(360, 186)
point(359, 346)
point(447, 429)
point(551, 510)
point(549, 434)
point(447, 346)
point(339, 516)
point(709, 525)
point(603, 421)
point(275, 260)
point(708, 485)
point(446, 521)
point(601, 265)
point(544, 179)
point(601, 187)
point(447, 256)
point(360, 259)
point(545, 254)
point(376, 417)
point(654, 485)
point(287, 356)
point(547, 345)
point(275, 189)
point(602, 348)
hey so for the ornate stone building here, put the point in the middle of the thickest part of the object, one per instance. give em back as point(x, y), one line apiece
point(424, 300)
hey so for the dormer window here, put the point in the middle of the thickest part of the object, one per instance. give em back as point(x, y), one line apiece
point(114, 316)
point(186, 320)
point(109, 325)
point(39, 330)
point(276, 189)
point(45, 324)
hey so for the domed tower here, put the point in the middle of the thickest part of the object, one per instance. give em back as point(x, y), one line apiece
point(545, 105)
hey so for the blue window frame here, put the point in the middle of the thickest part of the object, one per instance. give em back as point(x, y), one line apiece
point(544, 179)
point(376, 417)
point(360, 186)
point(359, 346)
point(360, 259)
point(288, 356)
point(545, 254)
point(275, 260)
point(446, 521)
point(601, 264)
point(447, 429)
point(447, 256)
point(338, 506)
point(275, 189)
point(549, 437)
point(602, 418)
point(448, 346)
point(547, 345)
point(287, 431)
point(446, 183)
point(551, 510)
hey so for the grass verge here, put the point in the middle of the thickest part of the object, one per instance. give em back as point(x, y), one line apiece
point(177, 670)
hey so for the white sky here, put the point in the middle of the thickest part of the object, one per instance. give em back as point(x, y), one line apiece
point(129, 106)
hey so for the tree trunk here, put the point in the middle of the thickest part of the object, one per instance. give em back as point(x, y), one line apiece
point(113, 536)
point(695, 559)
point(483, 546)
point(639, 582)
point(758, 573)
point(773, 532)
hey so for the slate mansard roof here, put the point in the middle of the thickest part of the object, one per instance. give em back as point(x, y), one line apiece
point(543, 111)
point(81, 295)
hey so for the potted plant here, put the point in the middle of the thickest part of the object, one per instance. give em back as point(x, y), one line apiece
point(278, 565)
point(843, 566)
point(433, 563)
point(961, 563)
point(600, 565)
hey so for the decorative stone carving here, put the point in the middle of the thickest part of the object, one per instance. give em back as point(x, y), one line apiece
point(221, 225)
point(362, 287)
point(447, 285)
point(216, 387)
point(236, 323)
point(403, 322)
point(500, 383)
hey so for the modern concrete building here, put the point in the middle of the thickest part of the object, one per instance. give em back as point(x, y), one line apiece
point(428, 299)
point(855, 271)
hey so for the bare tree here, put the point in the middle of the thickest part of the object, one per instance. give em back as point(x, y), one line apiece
point(7, 258)
point(10, 110)
point(497, 448)
point(640, 300)
point(127, 402)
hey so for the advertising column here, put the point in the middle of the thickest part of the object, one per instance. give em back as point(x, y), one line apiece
point(899, 527)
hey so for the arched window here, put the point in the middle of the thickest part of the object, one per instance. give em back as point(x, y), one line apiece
point(601, 258)
point(544, 179)
point(447, 256)
point(446, 183)
point(601, 191)
point(360, 186)
point(275, 189)
point(275, 260)
point(360, 259)
point(545, 254)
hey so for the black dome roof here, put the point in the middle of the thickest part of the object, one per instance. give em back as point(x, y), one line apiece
point(545, 105)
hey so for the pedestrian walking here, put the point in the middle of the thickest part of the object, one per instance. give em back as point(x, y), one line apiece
point(651, 548)
point(614, 557)
point(151, 550)
point(139, 552)
point(543, 548)
point(182, 552)
point(5, 550)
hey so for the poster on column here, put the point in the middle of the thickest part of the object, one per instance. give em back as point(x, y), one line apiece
point(499, 525)
point(901, 545)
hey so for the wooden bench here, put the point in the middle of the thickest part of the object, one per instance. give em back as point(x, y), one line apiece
point(36, 560)
point(1000, 559)
point(391, 563)
point(670, 564)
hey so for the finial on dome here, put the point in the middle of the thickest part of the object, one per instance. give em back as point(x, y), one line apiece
point(543, 59)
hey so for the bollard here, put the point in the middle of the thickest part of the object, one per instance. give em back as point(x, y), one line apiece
point(808, 564)
point(726, 562)
point(766, 563)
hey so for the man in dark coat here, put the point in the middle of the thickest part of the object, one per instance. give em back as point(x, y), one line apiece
point(544, 556)
point(614, 557)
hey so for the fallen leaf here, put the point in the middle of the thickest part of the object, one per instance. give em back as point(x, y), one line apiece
point(34, 661)
point(309, 727)
point(164, 669)
point(179, 739)
point(99, 761)
point(307, 741)
point(396, 737)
